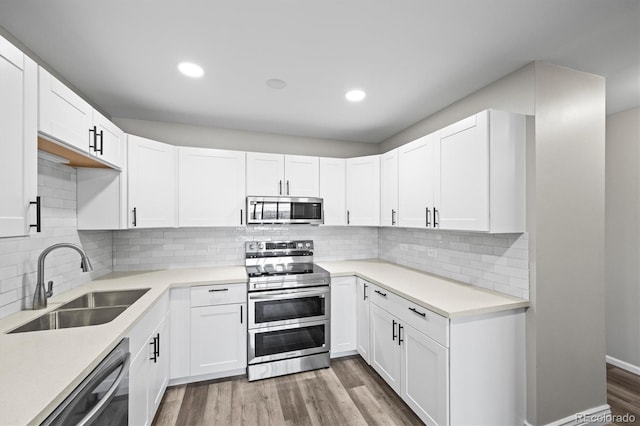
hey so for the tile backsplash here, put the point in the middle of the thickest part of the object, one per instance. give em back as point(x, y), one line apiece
point(19, 256)
point(197, 247)
point(497, 262)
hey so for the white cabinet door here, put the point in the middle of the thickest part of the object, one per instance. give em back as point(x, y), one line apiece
point(416, 162)
point(218, 338)
point(110, 141)
point(385, 347)
point(302, 176)
point(462, 192)
point(159, 367)
point(139, 388)
point(265, 174)
point(18, 136)
point(64, 116)
point(362, 319)
point(343, 315)
point(211, 187)
point(152, 183)
point(363, 191)
point(389, 188)
point(425, 372)
point(333, 176)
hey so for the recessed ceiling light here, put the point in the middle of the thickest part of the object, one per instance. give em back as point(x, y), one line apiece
point(276, 83)
point(190, 69)
point(355, 95)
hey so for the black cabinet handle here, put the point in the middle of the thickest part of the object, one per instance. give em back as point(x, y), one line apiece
point(428, 220)
point(393, 330)
point(381, 293)
point(435, 218)
point(135, 216)
point(93, 145)
point(241, 216)
point(364, 291)
point(240, 314)
point(158, 345)
point(211, 290)
point(393, 217)
point(38, 224)
point(101, 142)
point(400, 339)
point(287, 187)
point(348, 217)
point(154, 356)
point(414, 310)
point(280, 188)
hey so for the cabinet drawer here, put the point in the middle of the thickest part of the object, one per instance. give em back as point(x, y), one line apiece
point(429, 323)
point(220, 294)
point(384, 298)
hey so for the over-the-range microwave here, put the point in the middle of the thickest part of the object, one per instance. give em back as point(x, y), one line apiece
point(284, 210)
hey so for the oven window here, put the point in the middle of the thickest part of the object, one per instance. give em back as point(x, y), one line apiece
point(284, 309)
point(306, 211)
point(292, 339)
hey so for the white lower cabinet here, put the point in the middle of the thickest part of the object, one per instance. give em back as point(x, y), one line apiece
point(362, 319)
point(385, 346)
point(149, 370)
point(343, 316)
point(218, 338)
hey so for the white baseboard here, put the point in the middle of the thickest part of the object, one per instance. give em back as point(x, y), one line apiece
point(624, 365)
point(213, 376)
point(596, 416)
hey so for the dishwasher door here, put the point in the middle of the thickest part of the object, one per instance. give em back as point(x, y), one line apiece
point(103, 397)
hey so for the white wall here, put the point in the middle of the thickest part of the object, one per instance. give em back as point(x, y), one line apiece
point(622, 237)
point(18, 256)
point(240, 140)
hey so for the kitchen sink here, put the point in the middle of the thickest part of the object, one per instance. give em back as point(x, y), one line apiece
point(105, 299)
point(71, 318)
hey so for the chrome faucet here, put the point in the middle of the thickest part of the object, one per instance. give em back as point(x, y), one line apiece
point(40, 296)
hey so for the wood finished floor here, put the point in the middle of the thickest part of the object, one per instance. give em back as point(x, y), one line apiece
point(348, 393)
point(623, 393)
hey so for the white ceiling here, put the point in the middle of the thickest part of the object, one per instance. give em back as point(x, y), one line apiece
point(413, 57)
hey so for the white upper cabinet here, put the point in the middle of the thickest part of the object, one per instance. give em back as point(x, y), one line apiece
point(110, 141)
point(389, 188)
point(302, 176)
point(152, 183)
point(333, 175)
point(363, 191)
point(416, 182)
point(480, 182)
point(282, 175)
point(66, 118)
point(18, 138)
point(211, 187)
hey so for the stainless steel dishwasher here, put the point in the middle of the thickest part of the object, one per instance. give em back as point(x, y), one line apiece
point(103, 397)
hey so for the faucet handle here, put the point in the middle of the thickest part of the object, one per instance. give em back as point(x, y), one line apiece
point(49, 289)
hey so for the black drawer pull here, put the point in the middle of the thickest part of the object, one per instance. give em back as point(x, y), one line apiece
point(211, 290)
point(422, 314)
point(381, 293)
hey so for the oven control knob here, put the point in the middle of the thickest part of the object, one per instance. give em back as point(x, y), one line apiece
point(307, 244)
point(261, 246)
point(252, 246)
point(299, 245)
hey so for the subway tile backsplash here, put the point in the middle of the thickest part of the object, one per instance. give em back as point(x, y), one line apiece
point(19, 256)
point(497, 262)
point(198, 247)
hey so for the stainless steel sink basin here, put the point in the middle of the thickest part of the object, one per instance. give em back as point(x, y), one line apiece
point(71, 318)
point(105, 299)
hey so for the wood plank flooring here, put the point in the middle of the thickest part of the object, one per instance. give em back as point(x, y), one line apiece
point(623, 393)
point(348, 393)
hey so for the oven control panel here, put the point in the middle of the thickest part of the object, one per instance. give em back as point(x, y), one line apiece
point(278, 246)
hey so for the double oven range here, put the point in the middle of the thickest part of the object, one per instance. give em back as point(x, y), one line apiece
point(289, 309)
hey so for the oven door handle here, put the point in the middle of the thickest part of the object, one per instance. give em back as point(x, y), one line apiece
point(288, 294)
point(109, 395)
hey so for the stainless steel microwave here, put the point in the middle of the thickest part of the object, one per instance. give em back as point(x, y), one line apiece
point(285, 210)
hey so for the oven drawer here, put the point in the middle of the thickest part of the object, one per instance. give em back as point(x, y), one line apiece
point(289, 341)
point(219, 294)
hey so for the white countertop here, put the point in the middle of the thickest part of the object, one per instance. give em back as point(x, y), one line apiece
point(39, 369)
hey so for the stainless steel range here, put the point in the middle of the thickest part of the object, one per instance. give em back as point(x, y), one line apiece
point(289, 309)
